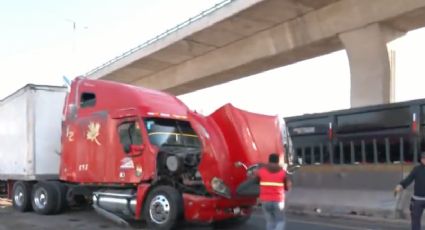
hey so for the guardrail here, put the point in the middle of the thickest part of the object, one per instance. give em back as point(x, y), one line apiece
point(163, 35)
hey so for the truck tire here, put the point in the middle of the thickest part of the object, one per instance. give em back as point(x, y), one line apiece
point(231, 223)
point(21, 195)
point(163, 208)
point(62, 202)
point(44, 198)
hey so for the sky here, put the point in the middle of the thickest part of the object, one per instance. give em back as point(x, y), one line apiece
point(39, 44)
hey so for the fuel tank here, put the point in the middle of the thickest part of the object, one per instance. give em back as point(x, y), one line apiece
point(121, 202)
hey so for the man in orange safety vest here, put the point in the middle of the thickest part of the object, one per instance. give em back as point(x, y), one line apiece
point(273, 184)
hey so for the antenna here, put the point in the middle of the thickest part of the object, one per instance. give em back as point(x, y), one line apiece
point(67, 81)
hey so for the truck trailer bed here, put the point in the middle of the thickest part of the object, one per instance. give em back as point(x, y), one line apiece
point(30, 131)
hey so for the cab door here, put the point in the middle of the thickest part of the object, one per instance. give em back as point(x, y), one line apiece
point(125, 162)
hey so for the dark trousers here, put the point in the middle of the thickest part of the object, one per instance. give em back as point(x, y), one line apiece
point(416, 209)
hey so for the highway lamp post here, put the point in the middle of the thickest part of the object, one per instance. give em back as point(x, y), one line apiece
point(74, 46)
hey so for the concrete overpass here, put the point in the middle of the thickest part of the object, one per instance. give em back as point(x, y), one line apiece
point(238, 38)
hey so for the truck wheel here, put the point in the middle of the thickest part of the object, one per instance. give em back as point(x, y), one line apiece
point(44, 198)
point(62, 202)
point(22, 196)
point(231, 223)
point(163, 208)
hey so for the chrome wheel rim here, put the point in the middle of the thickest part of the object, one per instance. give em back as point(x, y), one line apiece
point(19, 196)
point(40, 198)
point(159, 209)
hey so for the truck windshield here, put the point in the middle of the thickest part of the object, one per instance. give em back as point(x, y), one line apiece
point(170, 132)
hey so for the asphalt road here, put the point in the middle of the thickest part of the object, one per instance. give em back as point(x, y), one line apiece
point(88, 219)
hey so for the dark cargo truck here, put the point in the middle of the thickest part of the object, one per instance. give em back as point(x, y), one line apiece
point(353, 158)
point(382, 134)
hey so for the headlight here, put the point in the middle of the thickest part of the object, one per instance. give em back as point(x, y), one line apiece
point(220, 188)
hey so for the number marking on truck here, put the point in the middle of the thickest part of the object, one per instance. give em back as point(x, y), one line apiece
point(69, 134)
point(83, 167)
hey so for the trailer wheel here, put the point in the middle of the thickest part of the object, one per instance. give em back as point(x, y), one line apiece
point(44, 198)
point(22, 196)
point(163, 208)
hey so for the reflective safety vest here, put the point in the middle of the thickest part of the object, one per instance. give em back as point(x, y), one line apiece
point(272, 186)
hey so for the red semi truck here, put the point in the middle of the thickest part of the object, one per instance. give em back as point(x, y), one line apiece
point(136, 153)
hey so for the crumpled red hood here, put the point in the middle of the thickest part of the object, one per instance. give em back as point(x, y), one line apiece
point(230, 135)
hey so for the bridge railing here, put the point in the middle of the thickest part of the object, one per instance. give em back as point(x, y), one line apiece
point(162, 35)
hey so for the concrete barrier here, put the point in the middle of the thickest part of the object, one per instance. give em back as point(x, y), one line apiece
point(365, 190)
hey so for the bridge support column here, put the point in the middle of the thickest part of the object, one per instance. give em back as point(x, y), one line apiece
point(370, 69)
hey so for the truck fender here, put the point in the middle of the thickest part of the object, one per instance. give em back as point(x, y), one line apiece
point(142, 190)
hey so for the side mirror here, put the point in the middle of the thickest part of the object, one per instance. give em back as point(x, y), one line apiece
point(299, 161)
point(293, 168)
point(133, 150)
point(240, 164)
point(136, 148)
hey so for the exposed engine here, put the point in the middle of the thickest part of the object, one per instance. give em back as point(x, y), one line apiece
point(180, 165)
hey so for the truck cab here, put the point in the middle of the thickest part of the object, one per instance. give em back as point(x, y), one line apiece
point(113, 132)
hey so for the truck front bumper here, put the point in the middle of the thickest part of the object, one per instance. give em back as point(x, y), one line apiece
point(209, 209)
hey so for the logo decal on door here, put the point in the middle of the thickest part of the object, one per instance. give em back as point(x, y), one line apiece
point(127, 163)
point(93, 132)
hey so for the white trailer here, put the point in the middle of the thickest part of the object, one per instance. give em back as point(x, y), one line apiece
point(30, 132)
